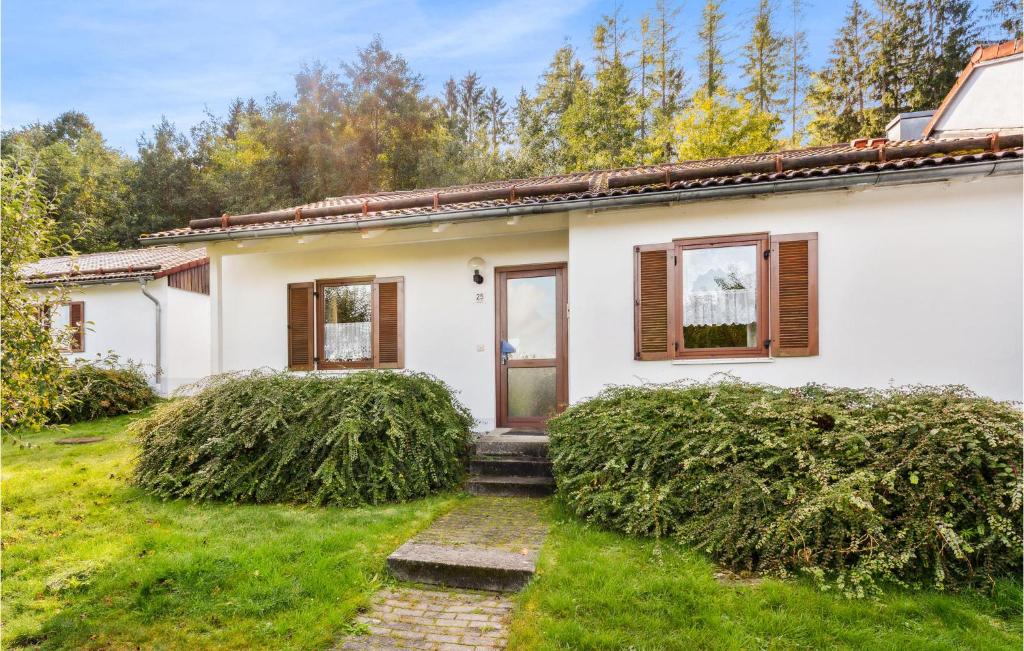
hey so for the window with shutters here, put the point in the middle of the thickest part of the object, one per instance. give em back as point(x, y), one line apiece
point(346, 323)
point(69, 315)
point(729, 296)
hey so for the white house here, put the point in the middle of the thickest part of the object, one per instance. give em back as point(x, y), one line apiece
point(150, 306)
point(870, 263)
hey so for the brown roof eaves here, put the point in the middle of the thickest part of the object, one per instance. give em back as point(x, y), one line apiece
point(983, 54)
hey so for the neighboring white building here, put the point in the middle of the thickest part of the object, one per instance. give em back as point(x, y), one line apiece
point(150, 306)
point(988, 96)
point(867, 264)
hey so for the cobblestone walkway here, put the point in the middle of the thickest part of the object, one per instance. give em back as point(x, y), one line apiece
point(508, 524)
point(412, 618)
point(444, 619)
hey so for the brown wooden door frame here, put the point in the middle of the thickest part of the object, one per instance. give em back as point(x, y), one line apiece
point(561, 359)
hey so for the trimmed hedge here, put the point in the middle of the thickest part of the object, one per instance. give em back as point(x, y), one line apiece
point(95, 389)
point(915, 486)
point(366, 438)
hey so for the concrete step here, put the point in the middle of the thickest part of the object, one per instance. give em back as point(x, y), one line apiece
point(473, 568)
point(511, 486)
point(510, 445)
point(508, 465)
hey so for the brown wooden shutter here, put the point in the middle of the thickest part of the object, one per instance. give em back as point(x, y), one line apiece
point(389, 323)
point(76, 317)
point(653, 320)
point(300, 326)
point(794, 295)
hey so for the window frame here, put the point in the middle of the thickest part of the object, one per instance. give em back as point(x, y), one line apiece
point(78, 339)
point(763, 244)
point(320, 285)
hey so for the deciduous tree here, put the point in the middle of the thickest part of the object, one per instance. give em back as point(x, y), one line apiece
point(32, 371)
point(722, 125)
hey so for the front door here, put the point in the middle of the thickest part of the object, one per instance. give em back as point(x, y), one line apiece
point(531, 344)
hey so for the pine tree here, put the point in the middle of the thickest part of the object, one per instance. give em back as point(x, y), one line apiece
point(667, 81)
point(539, 118)
point(495, 112)
point(645, 60)
point(450, 106)
point(900, 48)
point(711, 59)
point(600, 127)
point(841, 95)
point(796, 74)
point(471, 94)
point(950, 35)
point(761, 69)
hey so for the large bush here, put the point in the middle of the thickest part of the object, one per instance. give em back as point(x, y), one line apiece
point(369, 437)
point(916, 486)
point(103, 387)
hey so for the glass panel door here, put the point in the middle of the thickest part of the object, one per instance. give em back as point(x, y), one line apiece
point(531, 345)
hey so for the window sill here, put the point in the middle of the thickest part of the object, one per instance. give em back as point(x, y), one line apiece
point(722, 360)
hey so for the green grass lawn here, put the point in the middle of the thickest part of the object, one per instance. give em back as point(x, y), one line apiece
point(90, 562)
point(601, 590)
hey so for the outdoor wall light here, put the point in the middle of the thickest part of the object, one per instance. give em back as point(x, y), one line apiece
point(475, 264)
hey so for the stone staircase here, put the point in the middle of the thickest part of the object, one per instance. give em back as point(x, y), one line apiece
point(511, 465)
point(489, 543)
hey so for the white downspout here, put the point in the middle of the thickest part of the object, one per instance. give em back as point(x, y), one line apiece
point(156, 303)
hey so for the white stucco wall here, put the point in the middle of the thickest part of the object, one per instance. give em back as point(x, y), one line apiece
point(186, 338)
point(447, 332)
point(992, 99)
point(120, 320)
point(917, 284)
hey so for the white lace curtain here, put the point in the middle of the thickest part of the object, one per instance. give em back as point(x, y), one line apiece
point(347, 341)
point(723, 307)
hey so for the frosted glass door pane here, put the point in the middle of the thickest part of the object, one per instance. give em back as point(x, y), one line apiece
point(532, 317)
point(531, 392)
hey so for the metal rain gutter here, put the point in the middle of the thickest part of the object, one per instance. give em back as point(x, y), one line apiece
point(156, 304)
point(94, 281)
point(741, 190)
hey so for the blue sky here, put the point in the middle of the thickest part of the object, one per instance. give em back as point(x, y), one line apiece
point(127, 63)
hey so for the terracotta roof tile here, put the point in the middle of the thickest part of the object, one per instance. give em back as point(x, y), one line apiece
point(114, 266)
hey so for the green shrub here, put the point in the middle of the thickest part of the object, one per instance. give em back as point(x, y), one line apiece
point(365, 438)
point(103, 387)
point(915, 486)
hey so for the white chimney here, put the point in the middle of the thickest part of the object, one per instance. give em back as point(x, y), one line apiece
point(908, 126)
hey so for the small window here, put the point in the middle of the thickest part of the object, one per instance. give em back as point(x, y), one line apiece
point(69, 314)
point(721, 296)
point(359, 324)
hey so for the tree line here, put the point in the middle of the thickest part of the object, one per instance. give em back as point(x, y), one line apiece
point(370, 125)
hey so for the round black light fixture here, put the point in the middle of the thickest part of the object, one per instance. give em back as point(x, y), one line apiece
point(475, 264)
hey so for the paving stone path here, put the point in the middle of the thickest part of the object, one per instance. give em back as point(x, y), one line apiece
point(413, 618)
point(496, 538)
